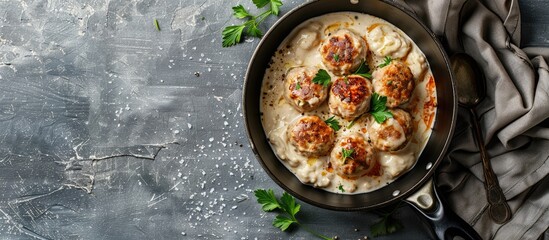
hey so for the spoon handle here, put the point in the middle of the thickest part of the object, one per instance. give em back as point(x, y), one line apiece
point(498, 208)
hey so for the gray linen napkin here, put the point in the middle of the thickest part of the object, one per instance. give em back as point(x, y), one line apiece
point(512, 116)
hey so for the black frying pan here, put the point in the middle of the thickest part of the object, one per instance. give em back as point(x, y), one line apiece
point(415, 186)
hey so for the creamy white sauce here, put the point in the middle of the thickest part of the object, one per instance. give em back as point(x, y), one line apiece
point(300, 48)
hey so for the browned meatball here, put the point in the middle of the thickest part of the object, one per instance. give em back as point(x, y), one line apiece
point(395, 81)
point(301, 92)
point(394, 133)
point(352, 156)
point(343, 52)
point(350, 96)
point(311, 136)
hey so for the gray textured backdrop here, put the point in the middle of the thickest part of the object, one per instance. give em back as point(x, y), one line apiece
point(110, 129)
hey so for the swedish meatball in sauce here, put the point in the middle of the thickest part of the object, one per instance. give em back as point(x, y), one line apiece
point(301, 92)
point(308, 134)
point(350, 96)
point(311, 136)
point(394, 81)
point(343, 51)
point(394, 133)
point(352, 156)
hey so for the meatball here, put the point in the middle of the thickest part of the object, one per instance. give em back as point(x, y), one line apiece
point(394, 81)
point(394, 133)
point(311, 136)
point(352, 156)
point(301, 92)
point(350, 96)
point(343, 52)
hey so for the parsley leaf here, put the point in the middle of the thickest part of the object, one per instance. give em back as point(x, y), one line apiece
point(363, 70)
point(275, 6)
point(240, 12)
point(386, 225)
point(267, 199)
point(352, 122)
point(297, 86)
point(253, 31)
point(386, 61)
point(347, 153)
point(156, 24)
point(288, 205)
point(336, 57)
point(233, 34)
point(283, 222)
point(380, 117)
point(378, 109)
point(378, 102)
point(260, 3)
point(322, 77)
point(341, 188)
point(333, 123)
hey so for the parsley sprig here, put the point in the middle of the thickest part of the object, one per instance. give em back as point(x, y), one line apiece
point(233, 34)
point(333, 123)
point(156, 24)
point(322, 77)
point(363, 70)
point(340, 187)
point(336, 57)
point(287, 205)
point(378, 109)
point(346, 154)
point(387, 224)
point(297, 86)
point(386, 61)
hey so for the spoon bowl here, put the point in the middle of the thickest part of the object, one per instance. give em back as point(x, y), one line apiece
point(471, 87)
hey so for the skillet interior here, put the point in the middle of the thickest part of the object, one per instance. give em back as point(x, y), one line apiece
point(436, 146)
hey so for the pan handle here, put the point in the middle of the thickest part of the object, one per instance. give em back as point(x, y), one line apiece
point(443, 220)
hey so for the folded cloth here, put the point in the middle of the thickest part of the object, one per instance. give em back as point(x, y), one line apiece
point(513, 116)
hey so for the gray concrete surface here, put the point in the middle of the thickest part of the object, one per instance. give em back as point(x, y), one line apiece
point(110, 129)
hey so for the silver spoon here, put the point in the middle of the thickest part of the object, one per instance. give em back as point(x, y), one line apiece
point(471, 88)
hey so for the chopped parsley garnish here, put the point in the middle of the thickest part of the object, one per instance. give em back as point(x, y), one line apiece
point(363, 70)
point(287, 205)
point(347, 153)
point(340, 187)
point(336, 57)
point(350, 125)
point(156, 25)
point(297, 86)
point(386, 61)
point(233, 34)
point(378, 109)
point(322, 77)
point(333, 123)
